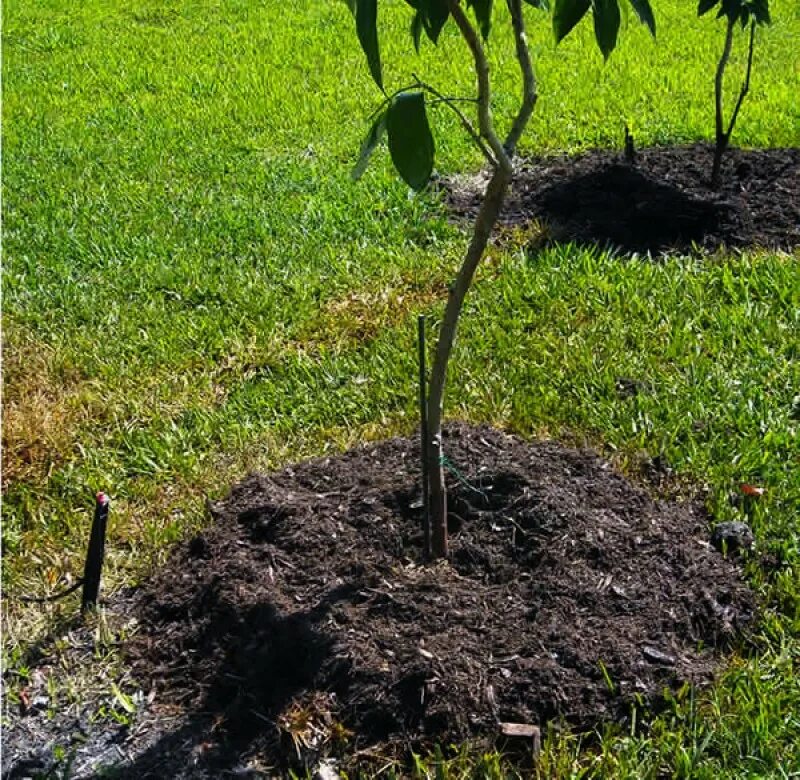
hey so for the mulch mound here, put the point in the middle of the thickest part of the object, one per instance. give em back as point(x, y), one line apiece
point(663, 203)
point(305, 618)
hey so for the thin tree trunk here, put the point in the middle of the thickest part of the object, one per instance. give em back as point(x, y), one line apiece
point(716, 175)
point(529, 93)
point(484, 223)
point(716, 169)
point(721, 140)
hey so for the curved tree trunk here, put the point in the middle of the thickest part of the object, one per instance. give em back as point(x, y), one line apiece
point(484, 223)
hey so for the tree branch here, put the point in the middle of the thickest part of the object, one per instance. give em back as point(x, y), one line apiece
point(746, 85)
point(484, 89)
point(529, 95)
point(723, 63)
point(474, 134)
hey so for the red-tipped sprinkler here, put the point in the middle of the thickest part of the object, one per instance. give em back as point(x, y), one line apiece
point(95, 554)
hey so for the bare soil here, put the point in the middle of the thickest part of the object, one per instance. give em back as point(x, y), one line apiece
point(305, 621)
point(663, 203)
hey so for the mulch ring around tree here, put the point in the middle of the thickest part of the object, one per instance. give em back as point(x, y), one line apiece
point(662, 203)
point(304, 621)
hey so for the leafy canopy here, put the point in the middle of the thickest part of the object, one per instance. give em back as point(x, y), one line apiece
point(738, 10)
point(402, 116)
point(606, 16)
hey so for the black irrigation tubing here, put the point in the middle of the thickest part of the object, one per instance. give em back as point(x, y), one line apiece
point(46, 599)
point(94, 556)
point(93, 566)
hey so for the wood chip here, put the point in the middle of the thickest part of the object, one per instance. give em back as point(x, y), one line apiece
point(526, 731)
point(658, 657)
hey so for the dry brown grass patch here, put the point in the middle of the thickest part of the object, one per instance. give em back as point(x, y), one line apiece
point(42, 408)
point(359, 316)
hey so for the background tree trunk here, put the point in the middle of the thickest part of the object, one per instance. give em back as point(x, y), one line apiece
point(721, 136)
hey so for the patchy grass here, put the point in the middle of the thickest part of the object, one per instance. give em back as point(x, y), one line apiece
point(77, 663)
point(193, 288)
point(360, 315)
point(40, 412)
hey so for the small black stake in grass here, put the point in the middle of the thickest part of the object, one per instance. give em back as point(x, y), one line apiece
point(630, 149)
point(423, 434)
point(94, 555)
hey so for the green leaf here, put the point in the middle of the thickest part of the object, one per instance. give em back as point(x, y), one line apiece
point(704, 6)
point(410, 139)
point(367, 29)
point(732, 9)
point(434, 15)
point(542, 5)
point(760, 10)
point(416, 29)
point(566, 14)
point(606, 24)
point(645, 14)
point(368, 147)
point(483, 15)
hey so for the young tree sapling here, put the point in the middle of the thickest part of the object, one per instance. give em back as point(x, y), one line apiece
point(754, 12)
point(403, 118)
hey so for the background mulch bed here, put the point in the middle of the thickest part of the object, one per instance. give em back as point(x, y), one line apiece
point(306, 606)
point(661, 204)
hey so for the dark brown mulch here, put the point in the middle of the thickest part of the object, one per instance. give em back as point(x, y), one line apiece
point(570, 593)
point(661, 204)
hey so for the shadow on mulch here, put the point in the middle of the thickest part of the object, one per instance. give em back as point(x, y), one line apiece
point(304, 621)
point(662, 203)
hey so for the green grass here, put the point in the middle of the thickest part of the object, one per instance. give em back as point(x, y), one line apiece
point(193, 287)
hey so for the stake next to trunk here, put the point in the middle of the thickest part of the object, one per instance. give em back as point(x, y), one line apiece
point(403, 118)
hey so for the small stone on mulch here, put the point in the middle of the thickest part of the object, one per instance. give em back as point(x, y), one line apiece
point(732, 537)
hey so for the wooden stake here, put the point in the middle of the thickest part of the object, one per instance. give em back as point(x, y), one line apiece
point(94, 555)
point(423, 435)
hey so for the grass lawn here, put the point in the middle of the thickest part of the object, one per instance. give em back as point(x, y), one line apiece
point(194, 288)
